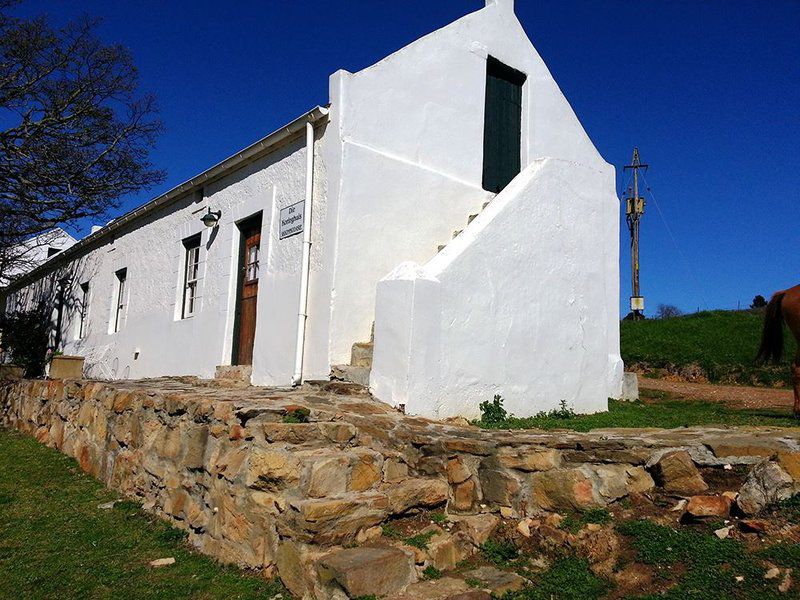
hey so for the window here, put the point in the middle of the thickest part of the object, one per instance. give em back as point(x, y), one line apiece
point(52, 251)
point(84, 309)
point(251, 264)
point(191, 275)
point(119, 310)
point(502, 127)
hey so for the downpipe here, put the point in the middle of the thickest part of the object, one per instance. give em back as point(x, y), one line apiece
point(302, 316)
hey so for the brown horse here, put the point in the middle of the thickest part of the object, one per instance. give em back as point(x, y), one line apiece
point(784, 306)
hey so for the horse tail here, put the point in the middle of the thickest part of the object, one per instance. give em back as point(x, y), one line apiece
point(771, 348)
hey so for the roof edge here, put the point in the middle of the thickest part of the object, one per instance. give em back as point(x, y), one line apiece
point(230, 164)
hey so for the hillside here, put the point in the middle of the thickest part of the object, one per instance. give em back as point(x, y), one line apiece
point(721, 343)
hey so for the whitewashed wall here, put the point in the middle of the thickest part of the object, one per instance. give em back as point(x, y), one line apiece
point(152, 251)
point(527, 307)
point(411, 146)
point(515, 306)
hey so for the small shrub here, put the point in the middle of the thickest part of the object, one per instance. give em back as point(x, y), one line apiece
point(473, 583)
point(431, 572)
point(789, 508)
point(420, 540)
point(574, 523)
point(438, 518)
point(499, 552)
point(564, 412)
point(668, 311)
point(25, 336)
point(493, 413)
point(296, 415)
point(390, 532)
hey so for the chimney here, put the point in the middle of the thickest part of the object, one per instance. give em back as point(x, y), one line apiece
point(503, 4)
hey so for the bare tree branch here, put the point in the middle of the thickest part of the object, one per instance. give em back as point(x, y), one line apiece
point(78, 135)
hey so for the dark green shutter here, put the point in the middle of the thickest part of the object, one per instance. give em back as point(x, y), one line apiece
point(502, 127)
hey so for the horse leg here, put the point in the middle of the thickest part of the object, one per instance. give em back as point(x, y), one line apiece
point(796, 381)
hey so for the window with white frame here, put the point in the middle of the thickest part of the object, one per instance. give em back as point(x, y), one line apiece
point(191, 276)
point(84, 310)
point(119, 308)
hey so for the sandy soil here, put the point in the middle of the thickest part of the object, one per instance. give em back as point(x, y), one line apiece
point(737, 396)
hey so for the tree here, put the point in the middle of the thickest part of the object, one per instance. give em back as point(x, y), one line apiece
point(667, 311)
point(76, 134)
point(759, 302)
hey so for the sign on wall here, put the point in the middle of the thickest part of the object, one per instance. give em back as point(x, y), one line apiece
point(291, 219)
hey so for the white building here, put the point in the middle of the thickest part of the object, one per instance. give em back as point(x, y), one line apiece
point(522, 303)
point(26, 256)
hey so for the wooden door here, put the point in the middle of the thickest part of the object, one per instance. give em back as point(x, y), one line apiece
point(502, 126)
point(248, 293)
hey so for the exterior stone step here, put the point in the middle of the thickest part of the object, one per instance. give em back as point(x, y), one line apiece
point(234, 373)
point(471, 218)
point(361, 354)
point(359, 375)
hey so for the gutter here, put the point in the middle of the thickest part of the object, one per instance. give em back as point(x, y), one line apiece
point(232, 163)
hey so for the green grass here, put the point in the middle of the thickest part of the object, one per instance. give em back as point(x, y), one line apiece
point(723, 343)
point(575, 522)
point(499, 552)
point(568, 579)
point(420, 540)
point(712, 565)
point(658, 413)
point(431, 572)
point(56, 543)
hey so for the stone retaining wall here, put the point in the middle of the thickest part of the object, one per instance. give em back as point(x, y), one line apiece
point(282, 480)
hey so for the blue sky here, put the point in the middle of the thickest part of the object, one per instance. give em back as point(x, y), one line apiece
point(709, 91)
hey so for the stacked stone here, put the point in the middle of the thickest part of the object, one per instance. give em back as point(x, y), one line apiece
point(288, 481)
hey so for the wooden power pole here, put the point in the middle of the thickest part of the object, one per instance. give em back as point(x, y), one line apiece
point(634, 209)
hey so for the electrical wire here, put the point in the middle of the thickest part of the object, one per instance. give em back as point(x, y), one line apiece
point(686, 263)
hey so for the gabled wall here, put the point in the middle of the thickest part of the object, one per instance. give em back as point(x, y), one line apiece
point(410, 130)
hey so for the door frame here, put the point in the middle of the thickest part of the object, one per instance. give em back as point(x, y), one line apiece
point(241, 226)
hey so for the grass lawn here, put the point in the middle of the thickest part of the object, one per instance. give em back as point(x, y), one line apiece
point(56, 543)
point(657, 410)
point(723, 343)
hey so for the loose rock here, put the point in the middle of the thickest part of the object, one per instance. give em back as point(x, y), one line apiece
point(767, 483)
point(676, 472)
point(708, 506)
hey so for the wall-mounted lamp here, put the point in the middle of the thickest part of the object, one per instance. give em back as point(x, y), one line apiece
point(211, 218)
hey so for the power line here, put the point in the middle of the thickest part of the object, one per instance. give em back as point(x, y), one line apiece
point(686, 264)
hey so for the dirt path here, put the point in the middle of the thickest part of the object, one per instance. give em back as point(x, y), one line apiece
point(737, 396)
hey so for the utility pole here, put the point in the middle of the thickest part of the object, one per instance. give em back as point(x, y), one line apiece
point(634, 209)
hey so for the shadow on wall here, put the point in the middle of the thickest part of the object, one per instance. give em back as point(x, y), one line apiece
point(32, 327)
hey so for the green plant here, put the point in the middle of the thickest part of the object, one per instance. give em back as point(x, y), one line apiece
point(420, 540)
point(438, 518)
point(499, 552)
point(658, 412)
point(25, 335)
point(431, 572)
point(574, 523)
point(788, 508)
point(391, 532)
point(473, 583)
point(297, 414)
point(56, 543)
point(722, 343)
point(568, 579)
point(493, 413)
point(563, 412)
